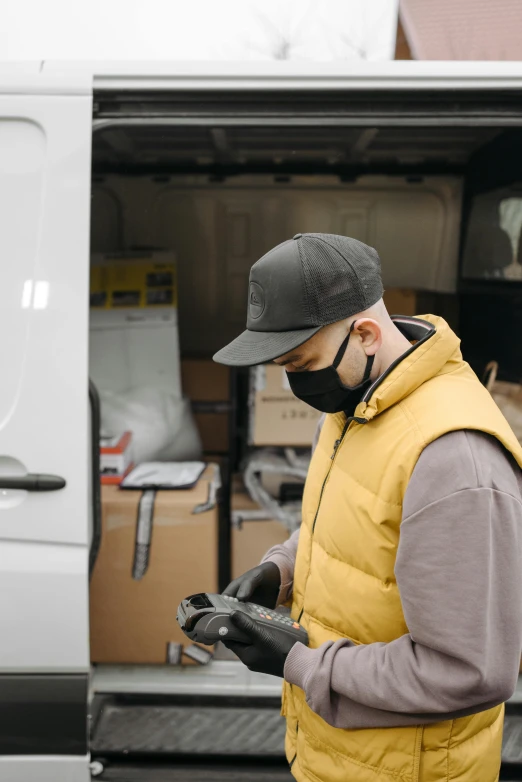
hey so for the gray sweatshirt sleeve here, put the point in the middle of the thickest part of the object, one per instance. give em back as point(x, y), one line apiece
point(459, 573)
point(284, 554)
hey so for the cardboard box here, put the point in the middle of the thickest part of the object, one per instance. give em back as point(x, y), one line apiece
point(207, 385)
point(403, 301)
point(277, 417)
point(252, 539)
point(400, 301)
point(133, 621)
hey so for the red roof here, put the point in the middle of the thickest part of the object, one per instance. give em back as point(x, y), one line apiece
point(463, 29)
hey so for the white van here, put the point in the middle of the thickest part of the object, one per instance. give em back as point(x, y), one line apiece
point(217, 162)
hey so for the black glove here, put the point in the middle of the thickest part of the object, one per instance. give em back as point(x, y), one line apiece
point(260, 585)
point(268, 649)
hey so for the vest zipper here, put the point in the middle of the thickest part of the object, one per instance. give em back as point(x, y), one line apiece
point(295, 756)
point(338, 443)
point(332, 458)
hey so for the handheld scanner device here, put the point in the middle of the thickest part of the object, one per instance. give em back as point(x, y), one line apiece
point(205, 618)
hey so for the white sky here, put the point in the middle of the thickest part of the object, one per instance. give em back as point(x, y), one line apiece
point(197, 29)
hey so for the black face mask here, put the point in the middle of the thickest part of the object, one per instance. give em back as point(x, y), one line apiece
point(323, 388)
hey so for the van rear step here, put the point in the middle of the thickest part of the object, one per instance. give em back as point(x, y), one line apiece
point(141, 725)
point(217, 727)
point(512, 741)
point(145, 772)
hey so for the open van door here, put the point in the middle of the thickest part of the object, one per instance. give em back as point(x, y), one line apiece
point(45, 156)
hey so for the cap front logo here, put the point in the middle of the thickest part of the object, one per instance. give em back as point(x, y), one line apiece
point(256, 300)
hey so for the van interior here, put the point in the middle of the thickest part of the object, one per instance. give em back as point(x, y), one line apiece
point(441, 202)
point(433, 201)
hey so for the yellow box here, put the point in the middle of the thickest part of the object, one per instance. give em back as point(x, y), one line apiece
point(136, 280)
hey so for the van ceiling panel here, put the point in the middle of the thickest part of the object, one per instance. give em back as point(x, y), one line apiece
point(152, 148)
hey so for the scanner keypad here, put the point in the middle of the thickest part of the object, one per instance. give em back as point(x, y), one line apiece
point(282, 619)
point(261, 612)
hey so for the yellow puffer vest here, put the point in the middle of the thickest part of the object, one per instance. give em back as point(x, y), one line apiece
point(344, 585)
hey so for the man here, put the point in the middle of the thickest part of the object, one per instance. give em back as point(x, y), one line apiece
point(407, 569)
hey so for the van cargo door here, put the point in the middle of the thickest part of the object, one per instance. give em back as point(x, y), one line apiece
point(45, 149)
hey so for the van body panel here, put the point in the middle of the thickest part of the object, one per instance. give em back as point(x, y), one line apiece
point(43, 715)
point(279, 75)
point(43, 607)
point(45, 169)
point(29, 78)
point(45, 156)
point(42, 768)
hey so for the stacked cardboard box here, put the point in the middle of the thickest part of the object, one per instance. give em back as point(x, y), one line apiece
point(404, 301)
point(277, 417)
point(134, 621)
point(207, 385)
point(251, 539)
point(400, 301)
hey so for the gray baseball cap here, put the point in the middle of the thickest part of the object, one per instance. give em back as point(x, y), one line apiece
point(297, 288)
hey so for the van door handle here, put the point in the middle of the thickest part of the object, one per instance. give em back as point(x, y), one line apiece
point(32, 482)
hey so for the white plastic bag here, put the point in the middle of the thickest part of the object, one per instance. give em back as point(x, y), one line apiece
point(161, 423)
point(267, 461)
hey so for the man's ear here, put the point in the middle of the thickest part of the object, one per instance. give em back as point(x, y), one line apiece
point(370, 334)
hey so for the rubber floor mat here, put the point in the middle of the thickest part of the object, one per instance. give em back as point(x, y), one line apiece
point(202, 729)
point(512, 742)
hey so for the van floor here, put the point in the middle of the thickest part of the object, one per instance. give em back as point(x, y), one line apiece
point(147, 772)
